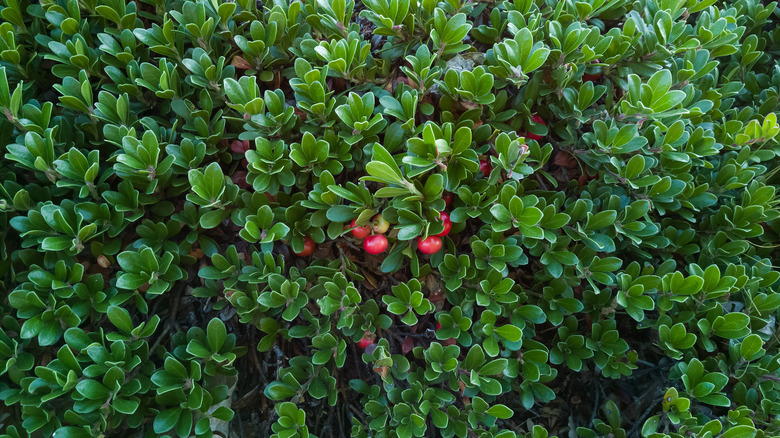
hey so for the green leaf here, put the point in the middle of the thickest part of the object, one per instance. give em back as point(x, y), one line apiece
point(213, 218)
point(475, 357)
point(731, 326)
point(216, 334)
point(530, 216)
point(650, 425)
point(635, 166)
point(494, 367)
point(384, 172)
point(278, 391)
point(509, 332)
point(166, 420)
point(742, 431)
point(93, 390)
point(669, 101)
point(500, 411)
point(600, 220)
point(125, 406)
point(751, 347)
point(120, 318)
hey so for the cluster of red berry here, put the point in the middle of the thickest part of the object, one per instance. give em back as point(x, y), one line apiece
point(375, 242)
point(373, 233)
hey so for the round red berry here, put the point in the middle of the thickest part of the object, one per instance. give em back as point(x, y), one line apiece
point(445, 218)
point(379, 224)
point(364, 342)
point(485, 167)
point(375, 244)
point(239, 146)
point(429, 245)
point(536, 119)
point(360, 232)
point(308, 247)
point(239, 178)
point(587, 77)
point(448, 198)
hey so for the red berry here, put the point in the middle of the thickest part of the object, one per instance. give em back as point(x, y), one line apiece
point(308, 247)
point(445, 217)
point(360, 232)
point(536, 119)
point(240, 147)
point(429, 245)
point(438, 325)
point(239, 178)
point(448, 198)
point(364, 342)
point(485, 167)
point(379, 224)
point(587, 77)
point(375, 244)
point(595, 75)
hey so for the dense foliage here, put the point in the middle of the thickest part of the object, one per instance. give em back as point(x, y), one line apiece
point(501, 218)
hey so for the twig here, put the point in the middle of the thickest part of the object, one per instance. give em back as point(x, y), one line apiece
point(328, 424)
point(641, 419)
point(175, 308)
point(541, 181)
point(595, 405)
point(317, 422)
point(160, 337)
point(341, 423)
point(244, 401)
point(357, 413)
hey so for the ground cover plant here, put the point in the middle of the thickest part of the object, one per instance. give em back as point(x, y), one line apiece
point(286, 218)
